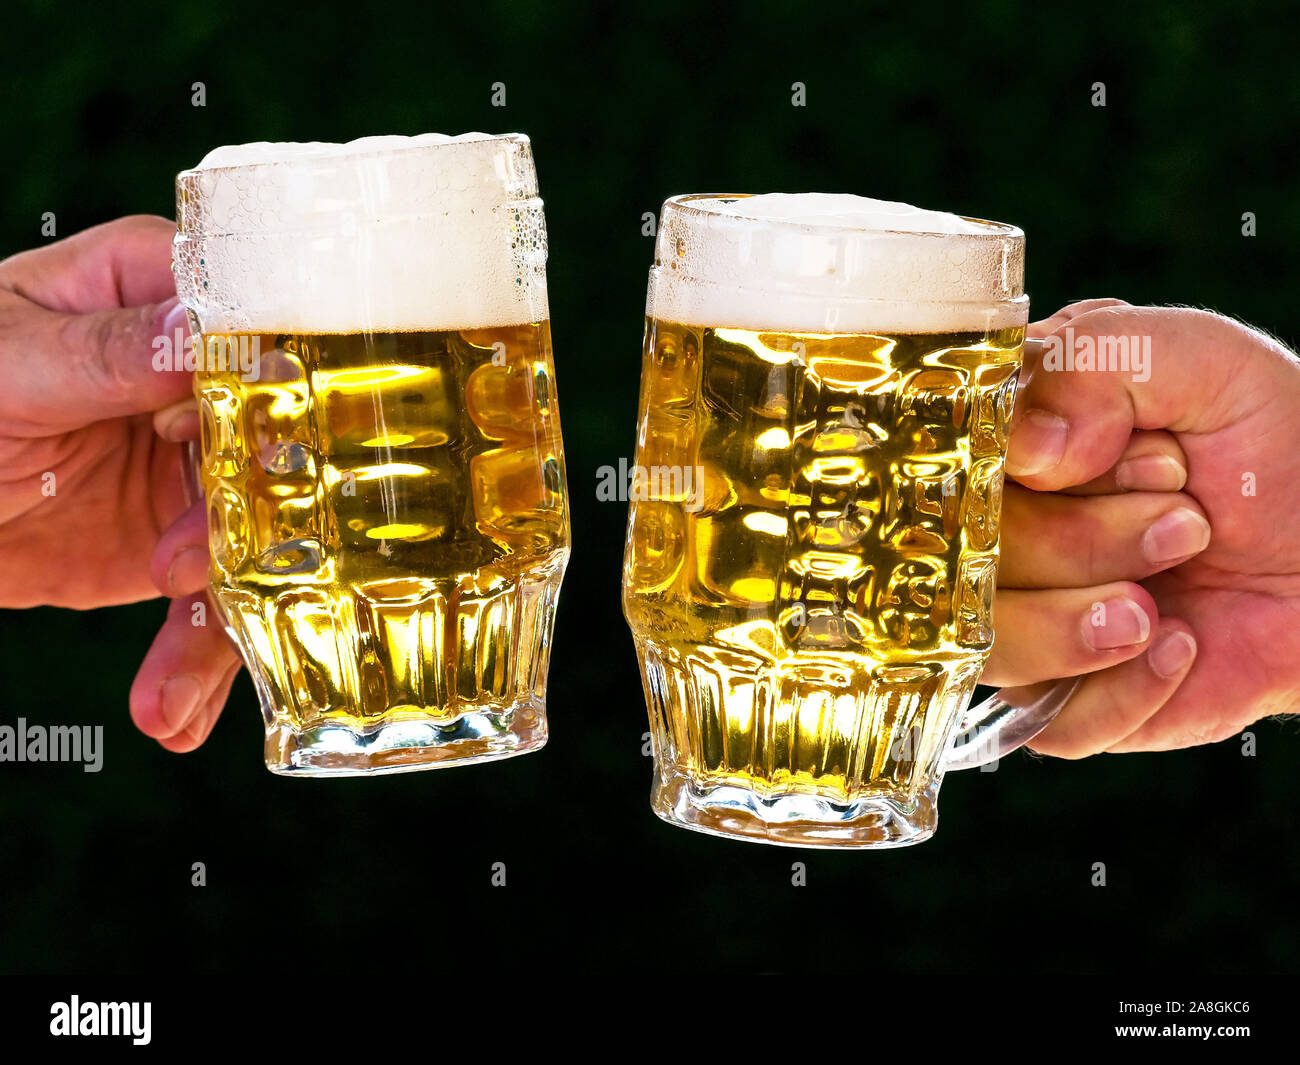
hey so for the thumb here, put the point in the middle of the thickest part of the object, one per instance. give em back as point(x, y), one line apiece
point(63, 371)
point(1111, 370)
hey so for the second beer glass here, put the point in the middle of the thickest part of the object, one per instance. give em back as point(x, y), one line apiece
point(813, 540)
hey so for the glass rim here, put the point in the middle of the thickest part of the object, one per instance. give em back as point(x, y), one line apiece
point(684, 202)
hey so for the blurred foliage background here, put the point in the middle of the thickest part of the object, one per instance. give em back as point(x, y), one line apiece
point(983, 109)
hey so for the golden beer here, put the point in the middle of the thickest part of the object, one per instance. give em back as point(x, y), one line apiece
point(387, 519)
point(814, 616)
point(846, 530)
point(387, 514)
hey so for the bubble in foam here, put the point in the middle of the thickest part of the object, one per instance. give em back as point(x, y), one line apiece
point(382, 234)
point(816, 262)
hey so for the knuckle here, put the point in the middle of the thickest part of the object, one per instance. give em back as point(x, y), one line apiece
point(1095, 318)
point(1084, 306)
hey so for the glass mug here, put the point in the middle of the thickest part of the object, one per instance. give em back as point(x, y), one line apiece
point(381, 455)
point(812, 544)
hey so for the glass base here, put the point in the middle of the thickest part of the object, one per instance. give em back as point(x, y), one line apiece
point(483, 735)
point(793, 819)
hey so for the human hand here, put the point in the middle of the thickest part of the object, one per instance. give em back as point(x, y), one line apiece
point(90, 464)
point(1115, 477)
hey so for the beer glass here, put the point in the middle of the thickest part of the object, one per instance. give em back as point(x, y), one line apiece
point(381, 456)
point(812, 544)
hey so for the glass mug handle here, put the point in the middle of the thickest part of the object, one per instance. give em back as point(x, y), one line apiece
point(1007, 720)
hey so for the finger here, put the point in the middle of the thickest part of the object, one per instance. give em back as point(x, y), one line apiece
point(179, 562)
point(178, 422)
point(1191, 717)
point(121, 263)
point(182, 671)
point(1071, 310)
point(1153, 461)
point(1051, 540)
point(1110, 705)
point(64, 371)
point(197, 732)
point(1066, 632)
point(1172, 370)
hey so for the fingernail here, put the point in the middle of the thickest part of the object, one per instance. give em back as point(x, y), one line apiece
point(188, 571)
point(1150, 473)
point(1115, 623)
point(1171, 655)
point(174, 317)
point(178, 423)
point(1037, 443)
point(180, 700)
point(180, 426)
point(1179, 533)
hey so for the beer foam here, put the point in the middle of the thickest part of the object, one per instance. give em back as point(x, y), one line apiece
point(381, 234)
point(820, 263)
point(289, 151)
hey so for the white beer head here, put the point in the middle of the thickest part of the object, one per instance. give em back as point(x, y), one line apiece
point(383, 234)
point(820, 263)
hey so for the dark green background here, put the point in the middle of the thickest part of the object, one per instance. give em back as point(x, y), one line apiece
point(983, 109)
